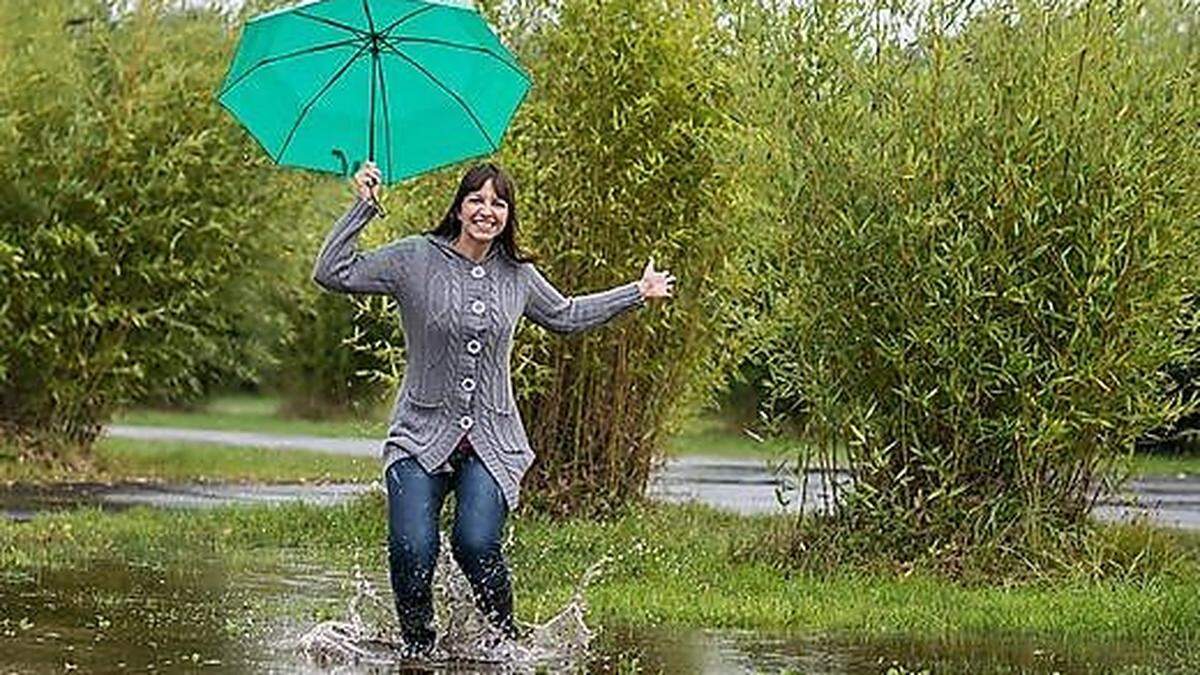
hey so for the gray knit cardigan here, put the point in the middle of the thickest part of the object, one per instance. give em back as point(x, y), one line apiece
point(458, 317)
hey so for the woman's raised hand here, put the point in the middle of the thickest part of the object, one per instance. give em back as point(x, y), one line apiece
point(367, 180)
point(656, 284)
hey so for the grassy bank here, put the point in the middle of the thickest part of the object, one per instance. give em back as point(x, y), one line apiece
point(667, 565)
point(704, 436)
point(254, 413)
point(118, 459)
point(1185, 465)
point(708, 435)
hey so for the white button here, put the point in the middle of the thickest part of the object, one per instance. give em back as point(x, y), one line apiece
point(478, 307)
point(477, 272)
point(468, 384)
point(465, 422)
point(473, 346)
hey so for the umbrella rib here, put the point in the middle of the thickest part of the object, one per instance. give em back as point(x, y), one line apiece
point(316, 97)
point(404, 18)
point(275, 59)
point(370, 21)
point(387, 125)
point(456, 45)
point(458, 99)
point(330, 22)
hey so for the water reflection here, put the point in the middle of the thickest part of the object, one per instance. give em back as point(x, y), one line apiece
point(23, 501)
point(115, 616)
point(670, 651)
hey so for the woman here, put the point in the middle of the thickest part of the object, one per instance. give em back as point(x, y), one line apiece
point(461, 288)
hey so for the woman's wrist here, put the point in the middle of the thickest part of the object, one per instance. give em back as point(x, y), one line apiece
point(641, 286)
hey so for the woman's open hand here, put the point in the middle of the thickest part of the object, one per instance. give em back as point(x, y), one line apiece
point(367, 180)
point(656, 284)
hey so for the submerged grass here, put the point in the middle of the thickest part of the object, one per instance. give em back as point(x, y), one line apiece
point(118, 459)
point(684, 566)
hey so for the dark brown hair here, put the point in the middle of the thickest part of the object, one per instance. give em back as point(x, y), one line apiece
point(473, 180)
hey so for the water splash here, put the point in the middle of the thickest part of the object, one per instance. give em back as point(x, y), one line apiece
point(370, 635)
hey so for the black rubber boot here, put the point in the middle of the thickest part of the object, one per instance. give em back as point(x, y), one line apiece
point(417, 631)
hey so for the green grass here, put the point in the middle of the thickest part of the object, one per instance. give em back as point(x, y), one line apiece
point(708, 435)
point(667, 565)
point(1183, 465)
point(255, 413)
point(118, 459)
point(703, 436)
point(714, 437)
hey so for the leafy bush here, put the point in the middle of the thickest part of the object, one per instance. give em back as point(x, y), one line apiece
point(993, 237)
point(137, 223)
point(622, 153)
point(333, 354)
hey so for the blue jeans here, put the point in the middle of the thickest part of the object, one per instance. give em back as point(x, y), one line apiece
point(414, 503)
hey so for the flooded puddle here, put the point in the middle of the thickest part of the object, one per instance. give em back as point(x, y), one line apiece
point(285, 613)
point(293, 616)
point(22, 502)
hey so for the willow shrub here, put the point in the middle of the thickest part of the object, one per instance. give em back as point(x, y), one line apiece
point(137, 222)
point(328, 361)
point(618, 154)
point(625, 152)
point(994, 239)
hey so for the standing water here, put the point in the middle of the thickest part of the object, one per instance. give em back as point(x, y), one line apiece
point(172, 611)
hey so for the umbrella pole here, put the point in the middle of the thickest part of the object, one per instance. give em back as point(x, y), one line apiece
point(371, 121)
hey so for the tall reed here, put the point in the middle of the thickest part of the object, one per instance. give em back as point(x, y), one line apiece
point(993, 237)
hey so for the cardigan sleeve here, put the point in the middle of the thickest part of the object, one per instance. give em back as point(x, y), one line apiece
point(342, 268)
point(550, 309)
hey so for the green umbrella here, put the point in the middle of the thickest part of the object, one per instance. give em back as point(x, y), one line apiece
point(409, 84)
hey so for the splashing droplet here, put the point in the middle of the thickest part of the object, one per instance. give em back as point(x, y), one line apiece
point(370, 635)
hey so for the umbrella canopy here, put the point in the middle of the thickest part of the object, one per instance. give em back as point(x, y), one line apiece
point(409, 84)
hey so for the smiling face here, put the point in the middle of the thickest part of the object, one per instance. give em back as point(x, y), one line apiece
point(483, 214)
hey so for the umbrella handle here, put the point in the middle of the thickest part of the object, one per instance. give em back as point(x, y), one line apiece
point(371, 182)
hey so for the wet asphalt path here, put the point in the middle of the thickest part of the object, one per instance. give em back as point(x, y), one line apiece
point(740, 485)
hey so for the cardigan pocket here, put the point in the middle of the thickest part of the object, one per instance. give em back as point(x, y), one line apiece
point(416, 422)
point(425, 400)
